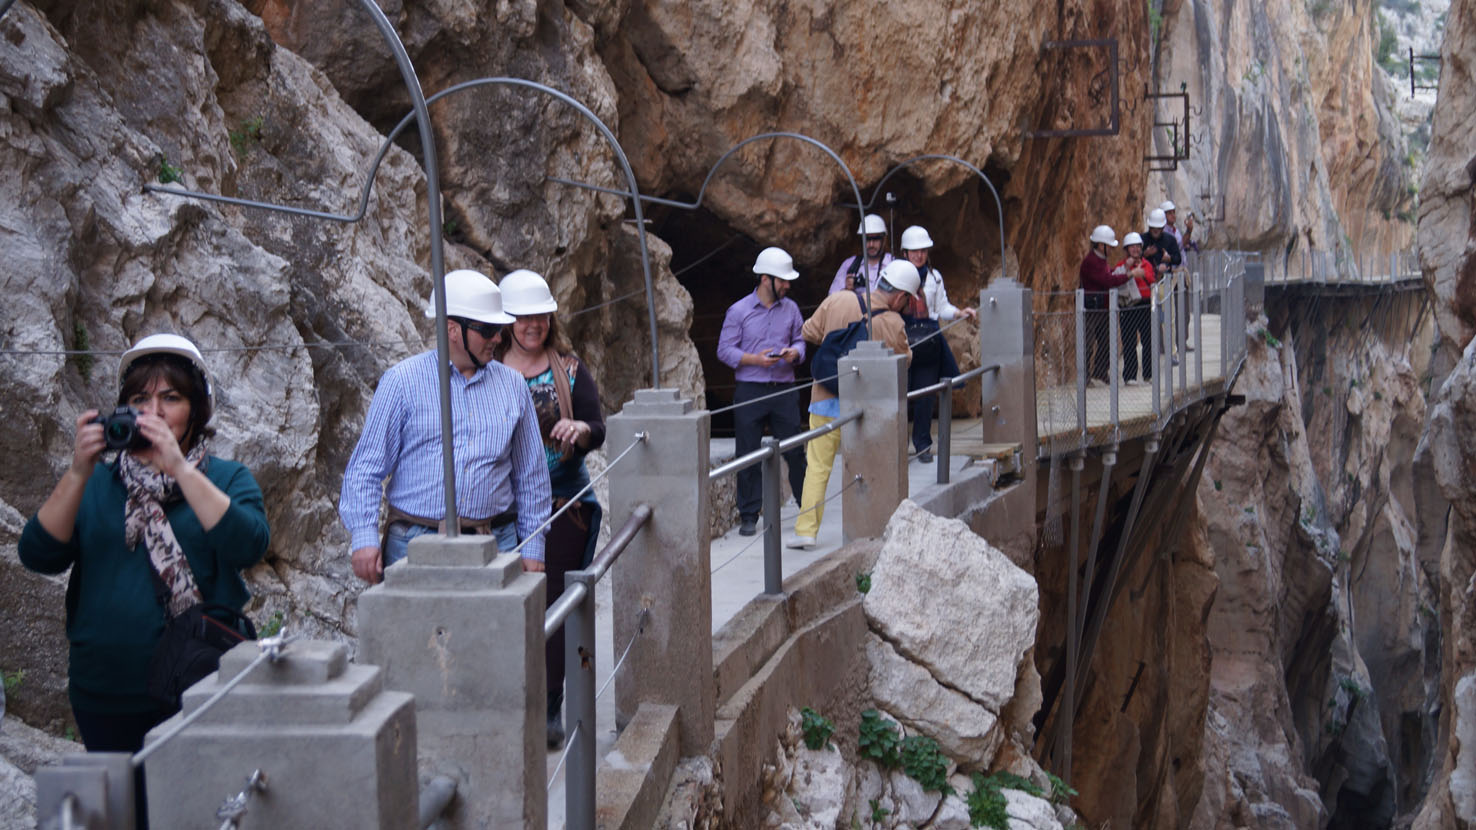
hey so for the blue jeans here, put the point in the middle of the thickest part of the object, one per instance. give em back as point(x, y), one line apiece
point(397, 541)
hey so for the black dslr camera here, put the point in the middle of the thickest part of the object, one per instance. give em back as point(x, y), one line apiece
point(120, 429)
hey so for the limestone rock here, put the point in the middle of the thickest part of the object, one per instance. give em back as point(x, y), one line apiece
point(1463, 775)
point(962, 727)
point(17, 798)
point(949, 601)
point(915, 806)
point(953, 814)
point(1028, 812)
point(817, 790)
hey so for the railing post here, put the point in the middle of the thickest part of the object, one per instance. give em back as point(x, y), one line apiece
point(945, 429)
point(100, 785)
point(1198, 333)
point(773, 550)
point(1114, 350)
point(1081, 366)
point(1007, 339)
point(1181, 328)
point(579, 683)
point(667, 568)
point(873, 380)
point(1155, 334)
point(336, 747)
point(481, 709)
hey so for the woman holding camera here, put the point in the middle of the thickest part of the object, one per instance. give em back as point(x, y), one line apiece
point(161, 528)
point(569, 418)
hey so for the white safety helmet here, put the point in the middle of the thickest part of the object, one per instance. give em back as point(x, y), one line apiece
point(1132, 239)
point(472, 295)
point(1104, 235)
point(1156, 219)
point(872, 225)
point(916, 238)
point(776, 262)
point(902, 275)
point(165, 344)
point(1167, 206)
point(525, 292)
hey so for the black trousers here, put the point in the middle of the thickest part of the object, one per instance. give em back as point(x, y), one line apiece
point(1135, 329)
point(924, 370)
point(563, 551)
point(106, 732)
point(782, 416)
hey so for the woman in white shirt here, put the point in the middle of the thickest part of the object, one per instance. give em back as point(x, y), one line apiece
point(916, 244)
point(932, 360)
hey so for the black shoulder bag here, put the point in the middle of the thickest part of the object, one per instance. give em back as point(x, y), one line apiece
point(191, 645)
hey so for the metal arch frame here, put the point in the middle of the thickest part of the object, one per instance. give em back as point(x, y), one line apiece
point(421, 115)
point(634, 194)
point(405, 122)
point(998, 205)
point(429, 162)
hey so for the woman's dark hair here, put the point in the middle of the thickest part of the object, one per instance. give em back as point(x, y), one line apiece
point(183, 377)
point(555, 338)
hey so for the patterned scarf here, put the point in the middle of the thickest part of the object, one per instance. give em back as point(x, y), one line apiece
point(144, 521)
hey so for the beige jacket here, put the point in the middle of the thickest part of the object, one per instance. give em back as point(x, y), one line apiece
point(842, 309)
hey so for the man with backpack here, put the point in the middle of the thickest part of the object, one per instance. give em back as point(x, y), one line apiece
point(850, 275)
point(835, 327)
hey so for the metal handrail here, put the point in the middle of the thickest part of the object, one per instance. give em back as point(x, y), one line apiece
point(747, 460)
point(435, 797)
point(573, 594)
point(640, 438)
point(957, 380)
point(271, 649)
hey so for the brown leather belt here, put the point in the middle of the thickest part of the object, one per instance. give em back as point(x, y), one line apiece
point(480, 527)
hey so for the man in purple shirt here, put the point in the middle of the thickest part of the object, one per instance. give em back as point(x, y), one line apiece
point(850, 274)
point(761, 340)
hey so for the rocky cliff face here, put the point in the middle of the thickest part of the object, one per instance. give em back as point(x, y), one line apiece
point(1448, 258)
point(287, 101)
point(1292, 142)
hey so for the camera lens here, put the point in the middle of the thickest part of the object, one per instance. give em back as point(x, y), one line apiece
point(120, 432)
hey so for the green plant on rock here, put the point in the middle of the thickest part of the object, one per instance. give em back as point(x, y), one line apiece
point(925, 763)
point(12, 680)
point(1271, 339)
point(168, 173)
point(878, 739)
point(987, 805)
point(878, 813)
point(1061, 792)
point(816, 727)
point(863, 581)
point(272, 626)
point(248, 136)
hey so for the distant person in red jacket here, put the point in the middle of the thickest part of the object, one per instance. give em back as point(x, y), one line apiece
point(1134, 305)
point(1097, 279)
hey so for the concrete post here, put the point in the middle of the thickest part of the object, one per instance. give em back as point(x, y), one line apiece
point(875, 446)
point(461, 628)
point(1007, 338)
point(336, 748)
point(667, 567)
point(100, 785)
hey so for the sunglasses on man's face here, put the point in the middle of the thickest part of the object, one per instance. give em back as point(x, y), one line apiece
point(487, 330)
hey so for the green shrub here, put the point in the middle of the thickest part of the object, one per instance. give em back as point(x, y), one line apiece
point(925, 763)
point(987, 805)
point(863, 581)
point(878, 739)
point(816, 728)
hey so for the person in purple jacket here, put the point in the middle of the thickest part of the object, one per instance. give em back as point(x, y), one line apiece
point(761, 341)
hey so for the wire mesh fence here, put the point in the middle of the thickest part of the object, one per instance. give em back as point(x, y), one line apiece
point(1115, 365)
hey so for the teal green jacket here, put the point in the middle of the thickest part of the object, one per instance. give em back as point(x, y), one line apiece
point(114, 619)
